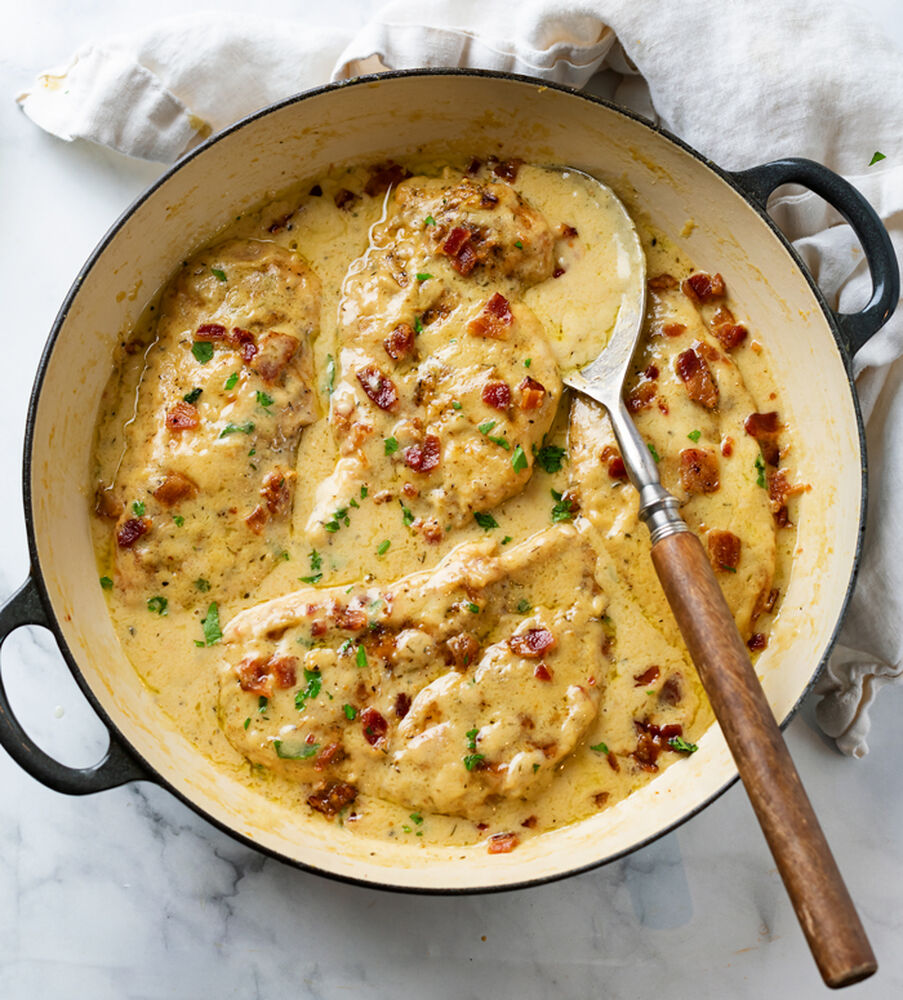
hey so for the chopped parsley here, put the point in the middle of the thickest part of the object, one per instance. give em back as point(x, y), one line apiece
point(407, 516)
point(138, 508)
point(210, 624)
point(314, 683)
point(876, 158)
point(363, 493)
point(178, 520)
point(316, 561)
point(600, 748)
point(383, 547)
point(231, 428)
point(655, 455)
point(247, 722)
point(535, 768)
point(231, 381)
point(330, 374)
point(561, 510)
point(423, 276)
point(519, 459)
point(729, 569)
point(474, 609)
point(456, 405)
point(305, 751)
point(417, 818)
point(694, 436)
point(360, 657)
point(760, 470)
point(486, 426)
point(157, 605)
point(106, 583)
point(679, 743)
point(550, 457)
point(391, 445)
point(524, 607)
point(418, 325)
point(486, 521)
point(219, 273)
point(262, 704)
point(264, 399)
point(313, 578)
point(528, 362)
point(202, 351)
point(519, 244)
point(193, 396)
point(350, 712)
point(471, 735)
point(429, 221)
point(339, 518)
point(346, 645)
point(202, 585)
point(473, 760)
point(506, 539)
point(284, 555)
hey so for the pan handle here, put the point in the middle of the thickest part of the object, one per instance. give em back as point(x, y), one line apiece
point(118, 765)
point(855, 328)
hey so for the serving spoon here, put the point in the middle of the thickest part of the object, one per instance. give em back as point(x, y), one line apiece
point(822, 903)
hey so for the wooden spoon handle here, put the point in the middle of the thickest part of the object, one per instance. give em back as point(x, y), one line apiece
point(819, 896)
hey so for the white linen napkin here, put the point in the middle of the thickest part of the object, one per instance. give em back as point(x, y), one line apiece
point(742, 81)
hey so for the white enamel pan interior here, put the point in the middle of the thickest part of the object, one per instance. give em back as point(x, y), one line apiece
point(373, 119)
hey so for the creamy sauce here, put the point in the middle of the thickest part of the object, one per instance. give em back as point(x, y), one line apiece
point(459, 622)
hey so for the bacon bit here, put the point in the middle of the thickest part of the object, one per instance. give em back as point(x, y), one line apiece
point(131, 530)
point(651, 372)
point(532, 393)
point(276, 351)
point(493, 319)
point(757, 641)
point(765, 428)
point(651, 740)
point(503, 843)
point(402, 704)
point(431, 530)
point(529, 822)
point(383, 176)
point(670, 693)
point(600, 799)
point(697, 377)
point(410, 490)
point(507, 169)
point(541, 672)
point(400, 342)
point(497, 395)
point(277, 490)
point(779, 489)
point(532, 643)
point(464, 649)
point(673, 329)
point(211, 332)
point(727, 447)
point(612, 761)
point(612, 456)
point(380, 389)
point(557, 273)
point(649, 675)
point(182, 417)
point(423, 457)
point(175, 487)
point(567, 232)
point(349, 619)
point(699, 470)
point(662, 406)
point(284, 671)
point(106, 505)
point(318, 628)
point(374, 725)
point(459, 247)
point(254, 677)
point(246, 345)
point(764, 606)
point(701, 287)
point(134, 346)
point(316, 191)
point(731, 336)
point(331, 797)
point(474, 166)
point(641, 397)
point(257, 519)
point(782, 517)
point(488, 200)
point(724, 549)
point(332, 753)
point(662, 283)
point(344, 199)
point(384, 496)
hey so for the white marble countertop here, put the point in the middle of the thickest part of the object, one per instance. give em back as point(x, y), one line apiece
point(130, 894)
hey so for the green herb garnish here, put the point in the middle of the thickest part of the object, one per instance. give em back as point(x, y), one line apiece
point(138, 508)
point(350, 712)
point(423, 276)
point(876, 158)
point(528, 362)
point(390, 445)
point(429, 221)
point(653, 452)
point(473, 760)
point(456, 405)
point(760, 470)
point(247, 722)
point(417, 818)
point(264, 399)
point(360, 657)
point(219, 273)
point(474, 609)
point(679, 743)
point(471, 735)
point(210, 624)
point(306, 751)
point(178, 520)
point(193, 396)
point(551, 457)
point(157, 605)
point(418, 325)
point(519, 459)
point(407, 516)
point(486, 426)
point(330, 374)
point(202, 351)
point(524, 607)
point(519, 244)
point(506, 539)
point(561, 511)
point(262, 703)
point(383, 547)
point(106, 583)
point(486, 521)
point(313, 578)
point(202, 585)
point(231, 381)
point(600, 748)
point(314, 683)
point(363, 493)
point(694, 436)
point(231, 428)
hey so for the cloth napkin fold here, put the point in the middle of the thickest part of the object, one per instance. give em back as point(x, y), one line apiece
point(740, 80)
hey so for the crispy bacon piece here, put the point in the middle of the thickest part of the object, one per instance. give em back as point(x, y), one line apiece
point(284, 670)
point(670, 692)
point(345, 199)
point(600, 799)
point(175, 487)
point(727, 447)
point(400, 342)
point(430, 528)
point(349, 619)
point(700, 287)
point(211, 332)
point(613, 761)
point(318, 628)
point(673, 329)
point(474, 166)
point(699, 470)
point(503, 843)
point(731, 335)
point(568, 232)
point(488, 200)
point(532, 643)
point(131, 530)
point(254, 677)
point(697, 377)
point(332, 753)
point(423, 457)
point(779, 490)
point(612, 457)
point(246, 345)
point(542, 672)
point(464, 649)
point(493, 319)
point(182, 417)
point(507, 169)
point(766, 602)
point(757, 642)
point(374, 725)
point(724, 549)
point(649, 675)
point(765, 428)
point(402, 704)
point(532, 394)
point(459, 247)
point(651, 371)
point(106, 505)
point(331, 797)
point(274, 354)
point(662, 283)
point(383, 176)
point(277, 490)
point(641, 397)
point(497, 395)
point(379, 388)
point(651, 740)
point(257, 519)
point(529, 822)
